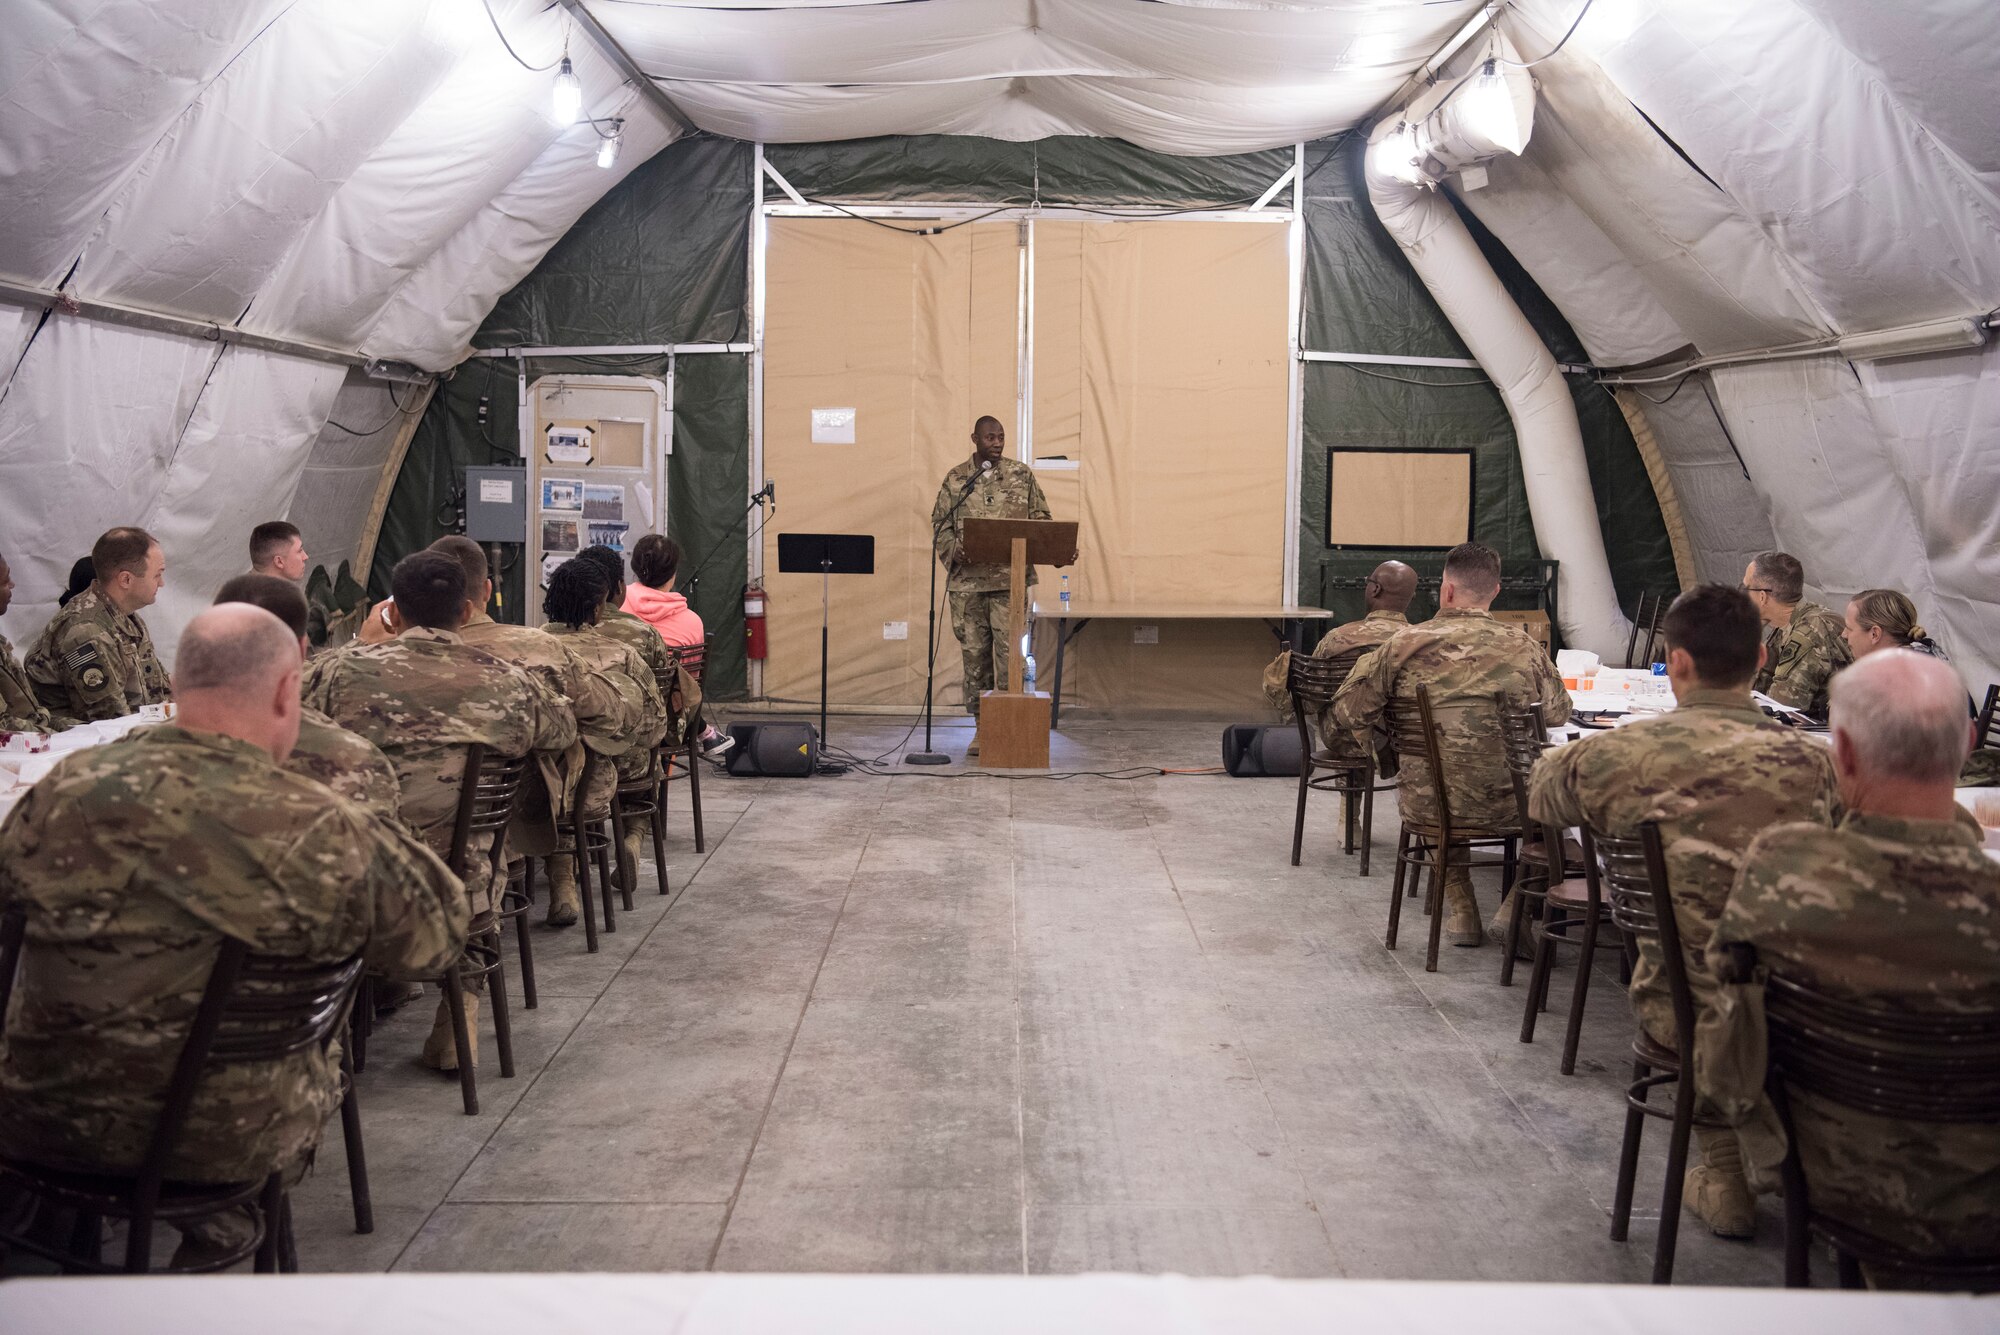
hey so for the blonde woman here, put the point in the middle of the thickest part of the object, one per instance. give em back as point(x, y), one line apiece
point(1885, 619)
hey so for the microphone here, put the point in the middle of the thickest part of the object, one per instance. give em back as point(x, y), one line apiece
point(771, 491)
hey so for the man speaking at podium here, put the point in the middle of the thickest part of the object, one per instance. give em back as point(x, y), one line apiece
point(986, 486)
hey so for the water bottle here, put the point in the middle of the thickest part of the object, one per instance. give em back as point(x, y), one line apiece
point(1064, 596)
point(1028, 674)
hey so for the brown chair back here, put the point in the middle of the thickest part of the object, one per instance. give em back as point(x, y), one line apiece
point(1919, 1066)
point(1414, 732)
point(1523, 738)
point(693, 657)
point(1633, 888)
point(1983, 720)
point(487, 795)
point(1312, 684)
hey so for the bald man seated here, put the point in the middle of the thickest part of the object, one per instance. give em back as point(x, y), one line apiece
point(134, 861)
point(1387, 594)
point(1898, 906)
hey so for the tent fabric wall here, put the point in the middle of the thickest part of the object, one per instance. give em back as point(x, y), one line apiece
point(662, 259)
point(917, 334)
point(364, 175)
point(336, 493)
point(1361, 298)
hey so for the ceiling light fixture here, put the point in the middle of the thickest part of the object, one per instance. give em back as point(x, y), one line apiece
point(607, 151)
point(566, 103)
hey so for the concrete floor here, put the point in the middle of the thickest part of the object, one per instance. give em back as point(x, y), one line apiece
point(978, 1024)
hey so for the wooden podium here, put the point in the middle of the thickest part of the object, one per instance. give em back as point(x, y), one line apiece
point(1013, 723)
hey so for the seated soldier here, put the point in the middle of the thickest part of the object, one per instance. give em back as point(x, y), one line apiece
point(575, 602)
point(94, 659)
point(654, 646)
point(603, 713)
point(346, 762)
point(1464, 656)
point(1807, 644)
point(20, 709)
point(1898, 905)
point(423, 696)
point(135, 860)
point(1715, 772)
point(1885, 619)
point(1387, 594)
point(278, 549)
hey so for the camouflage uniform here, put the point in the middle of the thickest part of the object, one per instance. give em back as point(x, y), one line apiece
point(1803, 657)
point(1715, 773)
point(95, 662)
point(134, 860)
point(346, 762)
point(422, 698)
point(20, 710)
point(1371, 630)
point(659, 658)
point(1894, 911)
point(611, 656)
point(982, 595)
point(1464, 657)
point(602, 713)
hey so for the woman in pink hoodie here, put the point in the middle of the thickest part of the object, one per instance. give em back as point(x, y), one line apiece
point(656, 559)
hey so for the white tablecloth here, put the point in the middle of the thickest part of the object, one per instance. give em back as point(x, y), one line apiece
point(729, 1304)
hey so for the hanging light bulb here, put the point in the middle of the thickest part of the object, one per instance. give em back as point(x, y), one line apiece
point(607, 151)
point(567, 102)
point(1490, 111)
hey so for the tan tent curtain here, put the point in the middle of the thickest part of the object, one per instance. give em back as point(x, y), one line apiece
point(1159, 368)
point(918, 335)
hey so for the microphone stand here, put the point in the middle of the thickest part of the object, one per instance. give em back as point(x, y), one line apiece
point(927, 756)
point(756, 502)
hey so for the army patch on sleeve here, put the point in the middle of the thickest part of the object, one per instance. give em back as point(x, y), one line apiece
point(93, 678)
point(81, 657)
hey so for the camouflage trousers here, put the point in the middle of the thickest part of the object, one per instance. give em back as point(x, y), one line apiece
point(980, 620)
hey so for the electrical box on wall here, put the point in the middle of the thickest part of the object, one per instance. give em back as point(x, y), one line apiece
point(496, 504)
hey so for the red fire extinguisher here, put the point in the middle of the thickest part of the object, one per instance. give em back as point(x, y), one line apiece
point(756, 640)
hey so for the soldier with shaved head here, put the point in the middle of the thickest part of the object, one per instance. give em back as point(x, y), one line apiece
point(1899, 906)
point(1386, 594)
point(134, 860)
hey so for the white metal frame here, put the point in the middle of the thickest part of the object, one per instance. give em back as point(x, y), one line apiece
point(1292, 218)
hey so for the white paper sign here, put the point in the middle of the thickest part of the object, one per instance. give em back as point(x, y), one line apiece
point(833, 426)
point(495, 491)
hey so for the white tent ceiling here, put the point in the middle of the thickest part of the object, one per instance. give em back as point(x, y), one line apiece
point(370, 176)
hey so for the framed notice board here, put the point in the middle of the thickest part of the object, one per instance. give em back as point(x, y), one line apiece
point(1388, 499)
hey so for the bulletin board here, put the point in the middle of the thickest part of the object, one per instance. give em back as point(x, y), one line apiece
point(597, 449)
point(1398, 500)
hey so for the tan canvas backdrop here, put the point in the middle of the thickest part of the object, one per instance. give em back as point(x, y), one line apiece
point(1159, 368)
point(918, 335)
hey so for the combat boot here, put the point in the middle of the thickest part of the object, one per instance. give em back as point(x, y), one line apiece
point(1715, 1190)
point(441, 1049)
point(628, 864)
point(1461, 928)
point(564, 902)
point(1503, 922)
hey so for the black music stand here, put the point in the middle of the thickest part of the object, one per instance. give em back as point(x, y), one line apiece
point(825, 555)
